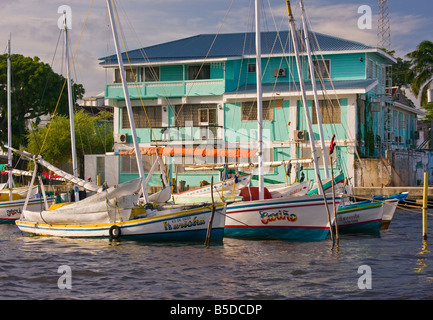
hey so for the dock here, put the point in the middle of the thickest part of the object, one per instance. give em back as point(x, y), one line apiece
point(415, 193)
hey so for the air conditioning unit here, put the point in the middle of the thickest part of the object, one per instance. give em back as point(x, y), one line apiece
point(280, 72)
point(300, 135)
point(122, 138)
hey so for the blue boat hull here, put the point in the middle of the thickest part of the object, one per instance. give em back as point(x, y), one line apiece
point(291, 234)
point(217, 235)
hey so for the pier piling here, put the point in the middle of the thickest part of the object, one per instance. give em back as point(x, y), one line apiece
point(424, 206)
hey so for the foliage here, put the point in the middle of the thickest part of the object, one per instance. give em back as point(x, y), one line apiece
point(429, 109)
point(93, 135)
point(35, 90)
point(422, 70)
point(401, 73)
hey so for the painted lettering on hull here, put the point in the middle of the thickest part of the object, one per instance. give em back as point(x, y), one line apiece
point(267, 217)
point(182, 223)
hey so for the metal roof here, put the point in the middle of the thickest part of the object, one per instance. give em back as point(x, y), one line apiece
point(212, 46)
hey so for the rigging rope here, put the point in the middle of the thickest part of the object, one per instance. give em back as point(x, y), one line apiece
point(64, 83)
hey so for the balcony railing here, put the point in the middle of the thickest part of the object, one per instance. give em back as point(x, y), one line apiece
point(169, 89)
point(179, 134)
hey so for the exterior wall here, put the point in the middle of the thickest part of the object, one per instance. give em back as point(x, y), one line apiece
point(403, 167)
point(109, 173)
point(175, 89)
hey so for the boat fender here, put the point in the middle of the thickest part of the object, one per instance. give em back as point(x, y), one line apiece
point(114, 232)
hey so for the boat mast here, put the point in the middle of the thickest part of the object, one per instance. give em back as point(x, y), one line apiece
point(71, 110)
point(313, 83)
point(127, 100)
point(10, 177)
point(259, 101)
point(304, 95)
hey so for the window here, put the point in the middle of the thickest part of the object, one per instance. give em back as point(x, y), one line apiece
point(370, 69)
point(128, 164)
point(249, 110)
point(251, 68)
point(197, 114)
point(130, 74)
point(199, 72)
point(208, 117)
point(154, 113)
point(330, 111)
point(151, 74)
point(321, 69)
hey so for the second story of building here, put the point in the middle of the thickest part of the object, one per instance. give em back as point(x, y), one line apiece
point(214, 65)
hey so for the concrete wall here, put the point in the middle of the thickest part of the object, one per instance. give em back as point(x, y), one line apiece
point(403, 167)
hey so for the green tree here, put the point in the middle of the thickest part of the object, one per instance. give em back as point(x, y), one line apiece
point(401, 71)
point(35, 90)
point(422, 70)
point(93, 135)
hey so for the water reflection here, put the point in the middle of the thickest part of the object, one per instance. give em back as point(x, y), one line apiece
point(422, 262)
point(236, 269)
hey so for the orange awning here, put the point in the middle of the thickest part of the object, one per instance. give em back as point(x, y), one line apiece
point(204, 152)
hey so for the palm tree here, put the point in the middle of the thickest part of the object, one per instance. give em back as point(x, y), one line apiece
point(422, 70)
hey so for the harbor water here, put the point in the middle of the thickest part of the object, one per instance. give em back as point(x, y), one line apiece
point(397, 264)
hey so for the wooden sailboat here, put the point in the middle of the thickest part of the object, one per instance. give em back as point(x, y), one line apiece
point(223, 190)
point(121, 212)
point(390, 204)
point(302, 218)
point(351, 217)
point(12, 200)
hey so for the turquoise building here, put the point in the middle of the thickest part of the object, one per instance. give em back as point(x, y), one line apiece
point(195, 98)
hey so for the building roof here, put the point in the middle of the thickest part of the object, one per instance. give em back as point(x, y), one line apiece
point(231, 45)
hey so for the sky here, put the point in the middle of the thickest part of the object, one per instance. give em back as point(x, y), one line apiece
point(33, 26)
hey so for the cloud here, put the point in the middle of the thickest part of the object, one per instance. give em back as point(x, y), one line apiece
point(33, 25)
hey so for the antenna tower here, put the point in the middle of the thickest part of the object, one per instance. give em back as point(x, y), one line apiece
point(383, 27)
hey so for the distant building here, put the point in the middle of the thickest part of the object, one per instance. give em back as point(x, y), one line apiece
point(199, 96)
point(95, 104)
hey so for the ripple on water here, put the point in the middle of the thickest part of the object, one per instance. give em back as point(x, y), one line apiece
point(237, 269)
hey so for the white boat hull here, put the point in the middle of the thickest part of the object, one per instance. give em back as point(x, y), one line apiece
point(389, 208)
point(360, 217)
point(282, 190)
point(227, 188)
point(10, 211)
point(176, 224)
point(301, 218)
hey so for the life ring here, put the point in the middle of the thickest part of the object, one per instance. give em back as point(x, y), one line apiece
point(114, 232)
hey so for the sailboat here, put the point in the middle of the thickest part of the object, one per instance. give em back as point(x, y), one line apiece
point(12, 201)
point(126, 211)
point(224, 190)
point(390, 204)
point(302, 218)
point(351, 217)
point(238, 189)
